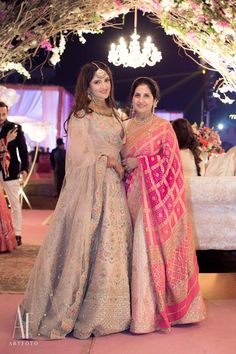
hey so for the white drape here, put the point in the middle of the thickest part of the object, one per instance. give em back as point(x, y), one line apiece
point(211, 205)
point(49, 105)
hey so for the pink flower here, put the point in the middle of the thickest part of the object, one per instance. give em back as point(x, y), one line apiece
point(9, 46)
point(29, 35)
point(191, 34)
point(208, 138)
point(2, 16)
point(46, 45)
point(223, 24)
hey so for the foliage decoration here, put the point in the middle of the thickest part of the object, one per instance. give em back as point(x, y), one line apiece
point(203, 27)
point(208, 138)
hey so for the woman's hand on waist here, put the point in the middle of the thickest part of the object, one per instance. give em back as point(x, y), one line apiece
point(130, 164)
point(113, 163)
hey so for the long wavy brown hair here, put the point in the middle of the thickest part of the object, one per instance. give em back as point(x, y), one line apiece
point(187, 139)
point(81, 97)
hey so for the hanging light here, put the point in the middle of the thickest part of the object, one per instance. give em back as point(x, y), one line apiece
point(134, 56)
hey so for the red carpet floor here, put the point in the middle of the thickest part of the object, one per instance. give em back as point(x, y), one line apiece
point(215, 335)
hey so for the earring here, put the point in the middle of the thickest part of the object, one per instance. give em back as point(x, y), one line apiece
point(131, 112)
point(89, 95)
point(154, 106)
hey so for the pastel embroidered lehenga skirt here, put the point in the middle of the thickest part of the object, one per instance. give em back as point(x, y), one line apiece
point(80, 281)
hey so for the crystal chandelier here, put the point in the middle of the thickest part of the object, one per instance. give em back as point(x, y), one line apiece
point(134, 56)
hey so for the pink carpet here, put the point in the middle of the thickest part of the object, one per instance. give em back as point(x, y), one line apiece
point(35, 225)
point(215, 335)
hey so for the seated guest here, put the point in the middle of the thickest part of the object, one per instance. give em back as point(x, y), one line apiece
point(189, 148)
point(220, 165)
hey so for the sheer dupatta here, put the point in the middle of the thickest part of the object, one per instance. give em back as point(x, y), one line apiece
point(171, 253)
point(60, 276)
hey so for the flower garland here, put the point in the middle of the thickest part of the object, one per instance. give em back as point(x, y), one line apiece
point(208, 138)
point(203, 27)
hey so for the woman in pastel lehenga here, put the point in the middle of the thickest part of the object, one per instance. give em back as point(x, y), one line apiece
point(164, 288)
point(7, 234)
point(80, 281)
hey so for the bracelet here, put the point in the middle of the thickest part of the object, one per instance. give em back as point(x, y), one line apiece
point(108, 163)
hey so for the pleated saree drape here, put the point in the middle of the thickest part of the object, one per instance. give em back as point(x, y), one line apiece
point(165, 289)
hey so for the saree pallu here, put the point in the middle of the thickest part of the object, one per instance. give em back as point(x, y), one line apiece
point(165, 289)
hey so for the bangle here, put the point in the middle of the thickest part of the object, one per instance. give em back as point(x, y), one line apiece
point(108, 160)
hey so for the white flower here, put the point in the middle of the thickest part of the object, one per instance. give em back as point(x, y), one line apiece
point(167, 5)
point(9, 65)
point(55, 58)
point(226, 88)
point(227, 100)
point(62, 44)
point(171, 31)
point(81, 37)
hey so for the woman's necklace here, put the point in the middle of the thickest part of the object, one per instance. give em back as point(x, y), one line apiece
point(139, 122)
point(143, 121)
point(105, 114)
point(101, 110)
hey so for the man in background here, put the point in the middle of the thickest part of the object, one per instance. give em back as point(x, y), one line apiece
point(18, 167)
point(57, 158)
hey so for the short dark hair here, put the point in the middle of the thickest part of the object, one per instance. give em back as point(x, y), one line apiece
point(3, 104)
point(60, 141)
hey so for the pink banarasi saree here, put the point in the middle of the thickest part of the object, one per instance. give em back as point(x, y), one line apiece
point(165, 289)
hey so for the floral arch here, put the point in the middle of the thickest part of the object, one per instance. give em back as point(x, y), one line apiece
point(203, 27)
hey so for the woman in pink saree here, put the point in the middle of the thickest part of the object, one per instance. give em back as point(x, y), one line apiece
point(7, 235)
point(164, 288)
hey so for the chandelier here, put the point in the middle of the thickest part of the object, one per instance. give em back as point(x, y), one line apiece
point(134, 56)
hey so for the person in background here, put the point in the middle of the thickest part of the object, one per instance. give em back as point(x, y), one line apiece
point(164, 288)
point(7, 235)
point(59, 157)
point(189, 148)
point(59, 142)
point(17, 168)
